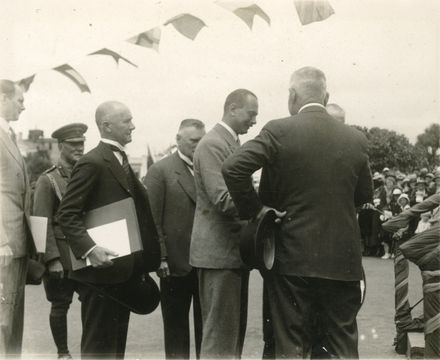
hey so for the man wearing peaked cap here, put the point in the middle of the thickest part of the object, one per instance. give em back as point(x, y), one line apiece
point(49, 190)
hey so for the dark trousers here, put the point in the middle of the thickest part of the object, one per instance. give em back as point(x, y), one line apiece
point(296, 301)
point(105, 325)
point(224, 301)
point(176, 293)
point(59, 292)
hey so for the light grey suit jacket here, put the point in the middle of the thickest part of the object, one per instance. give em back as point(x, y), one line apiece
point(216, 231)
point(15, 198)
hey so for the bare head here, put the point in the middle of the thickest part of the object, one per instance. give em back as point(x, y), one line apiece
point(114, 122)
point(307, 85)
point(189, 135)
point(335, 111)
point(11, 100)
point(240, 110)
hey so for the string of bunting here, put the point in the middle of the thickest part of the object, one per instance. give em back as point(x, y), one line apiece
point(190, 26)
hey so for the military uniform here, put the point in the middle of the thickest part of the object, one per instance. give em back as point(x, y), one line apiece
point(49, 190)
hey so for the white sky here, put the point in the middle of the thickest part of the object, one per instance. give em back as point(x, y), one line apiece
point(381, 59)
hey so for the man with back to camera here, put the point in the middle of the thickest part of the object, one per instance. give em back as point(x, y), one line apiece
point(101, 177)
point(319, 181)
point(214, 251)
point(172, 195)
point(16, 242)
point(49, 190)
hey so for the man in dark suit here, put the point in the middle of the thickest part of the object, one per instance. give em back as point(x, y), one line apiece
point(172, 194)
point(16, 243)
point(223, 281)
point(316, 170)
point(102, 177)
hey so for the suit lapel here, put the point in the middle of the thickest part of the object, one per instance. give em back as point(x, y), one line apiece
point(114, 165)
point(11, 147)
point(184, 178)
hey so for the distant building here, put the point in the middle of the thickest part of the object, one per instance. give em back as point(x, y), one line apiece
point(37, 142)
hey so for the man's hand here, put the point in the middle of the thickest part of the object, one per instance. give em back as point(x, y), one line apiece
point(6, 255)
point(164, 270)
point(279, 214)
point(99, 257)
point(55, 267)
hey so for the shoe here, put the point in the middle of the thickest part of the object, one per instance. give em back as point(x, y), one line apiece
point(64, 356)
point(386, 256)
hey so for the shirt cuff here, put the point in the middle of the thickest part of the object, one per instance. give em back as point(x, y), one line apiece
point(88, 252)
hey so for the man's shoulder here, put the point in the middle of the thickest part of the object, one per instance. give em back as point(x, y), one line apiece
point(164, 164)
point(277, 126)
point(213, 137)
point(92, 156)
point(51, 169)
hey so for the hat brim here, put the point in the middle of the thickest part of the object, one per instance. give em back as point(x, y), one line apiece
point(257, 243)
point(74, 140)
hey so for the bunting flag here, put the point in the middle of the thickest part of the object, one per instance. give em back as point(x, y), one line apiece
point(73, 75)
point(150, 160)
point(26, 83)
point(113, 54)
point(187, 24)
point(246, 13)
point(313, 10)
point(148, 39)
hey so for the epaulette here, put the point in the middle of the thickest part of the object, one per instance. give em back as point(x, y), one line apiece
point(52, 168)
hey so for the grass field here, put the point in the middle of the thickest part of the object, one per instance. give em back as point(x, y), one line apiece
point(145, 336)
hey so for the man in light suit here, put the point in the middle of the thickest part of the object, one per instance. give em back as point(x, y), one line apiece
point(15, 239)
point(101, 177)
point(172, 194)
point(223, 281)
point(315, 169)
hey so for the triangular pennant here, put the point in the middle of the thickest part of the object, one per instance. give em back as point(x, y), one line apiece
point(246, 13)
point(73, 75)
point(187, 24)
point(26, 83)
point(148, 39)
point(313, 10)
point(113, 54)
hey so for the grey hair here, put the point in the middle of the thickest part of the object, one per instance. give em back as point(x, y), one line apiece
point(309, 84)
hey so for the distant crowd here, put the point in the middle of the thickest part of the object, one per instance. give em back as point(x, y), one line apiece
point(394, 192)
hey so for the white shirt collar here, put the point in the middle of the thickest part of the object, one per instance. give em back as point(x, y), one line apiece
point(184, 158)
point(4, 125)
point(310, 104)
point(114, 143)
point(227, 127)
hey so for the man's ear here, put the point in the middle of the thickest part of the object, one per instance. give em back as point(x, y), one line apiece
point(232, 108)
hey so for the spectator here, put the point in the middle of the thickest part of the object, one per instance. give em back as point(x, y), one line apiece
point(424, 223)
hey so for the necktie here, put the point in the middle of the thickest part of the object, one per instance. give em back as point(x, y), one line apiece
point(13, 136)
point(125, 163)
point(238, 141)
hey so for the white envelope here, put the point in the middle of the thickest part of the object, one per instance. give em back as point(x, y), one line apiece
point(38, 225)
point(113, 236)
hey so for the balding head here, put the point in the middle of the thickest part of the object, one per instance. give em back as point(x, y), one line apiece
point(307, 85)
point(114, 121)
point(335, 111)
